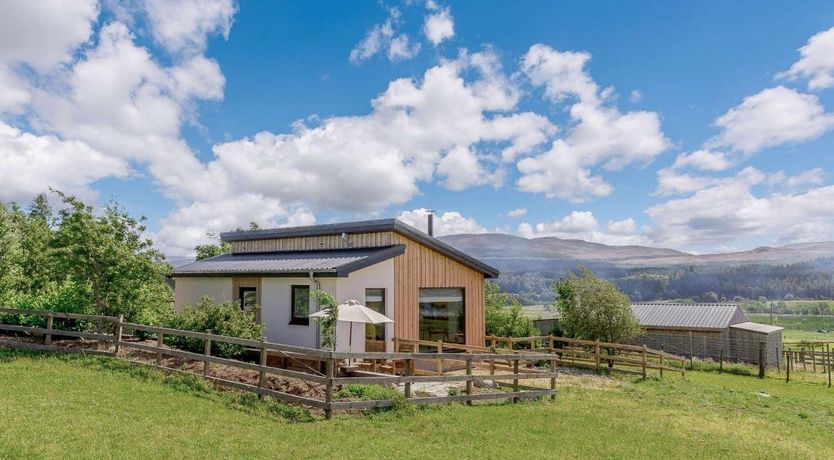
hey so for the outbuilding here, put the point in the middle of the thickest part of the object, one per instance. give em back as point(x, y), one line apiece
point(714, 331)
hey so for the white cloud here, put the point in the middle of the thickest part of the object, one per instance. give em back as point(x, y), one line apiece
point(385, 37)
point(602, 136)
point(635, 96)
point(44, 33)
point(584, 226)
point(772, 117)
point(32, 164)
point(816, 62)
point(622, 227)
point(188, 226)
point(517, 212)
point(183, 26)
point(705, 160)
point(439, 25)
point(813, 176)
point(447, 223)
point(731, 211)
point(416, 129)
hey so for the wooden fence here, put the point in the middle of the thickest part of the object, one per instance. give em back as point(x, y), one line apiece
point(810, 355)
point(329, 373)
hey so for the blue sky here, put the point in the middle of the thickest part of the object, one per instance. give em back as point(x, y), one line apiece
point(698, 126)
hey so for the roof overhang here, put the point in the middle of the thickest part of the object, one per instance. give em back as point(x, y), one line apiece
point(322, 263)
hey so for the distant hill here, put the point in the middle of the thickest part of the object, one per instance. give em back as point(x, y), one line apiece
point(508, 252)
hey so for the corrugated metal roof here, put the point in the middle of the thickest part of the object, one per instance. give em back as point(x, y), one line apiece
point(701, 316)
point(338, 262)
point(756, 327)
point(367, 226)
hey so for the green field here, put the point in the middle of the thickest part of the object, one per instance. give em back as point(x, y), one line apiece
point(72, 407)
point(804, 327)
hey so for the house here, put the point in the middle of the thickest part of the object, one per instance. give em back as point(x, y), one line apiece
point(707, 330)
point(431, 290)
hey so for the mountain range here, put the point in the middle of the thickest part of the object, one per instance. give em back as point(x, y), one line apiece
point(513, 253)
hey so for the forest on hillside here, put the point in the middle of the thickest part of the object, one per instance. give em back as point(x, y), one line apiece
point(701, 283)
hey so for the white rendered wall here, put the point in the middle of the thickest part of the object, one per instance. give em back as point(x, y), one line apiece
point(189, 290)
point(276, 297)
point(378, 276)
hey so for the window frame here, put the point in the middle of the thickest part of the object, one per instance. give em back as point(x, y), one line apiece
point(463, 308)
point(240, 295)
point(299, 320)
point(384, 307)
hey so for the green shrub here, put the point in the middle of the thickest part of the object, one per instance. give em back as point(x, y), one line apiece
point(224, 318)
point(65, 297)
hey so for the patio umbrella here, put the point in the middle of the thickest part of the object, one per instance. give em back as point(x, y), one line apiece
point(354, 312)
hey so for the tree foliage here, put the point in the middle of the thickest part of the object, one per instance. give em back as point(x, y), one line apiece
point(593, 308)
point(504, 314)
point(328, 323)
point(78, 260)
point(224, 318)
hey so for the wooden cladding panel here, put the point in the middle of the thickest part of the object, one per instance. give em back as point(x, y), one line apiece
point(422, 267)
point(311, 243)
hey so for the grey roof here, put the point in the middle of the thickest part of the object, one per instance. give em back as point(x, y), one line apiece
point(338, 262)
point(366, 226)
point(699, 316)
point(757, 327)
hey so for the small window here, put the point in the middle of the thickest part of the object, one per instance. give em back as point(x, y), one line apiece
point(375, 300)
point(248, 298)
point(300, 305)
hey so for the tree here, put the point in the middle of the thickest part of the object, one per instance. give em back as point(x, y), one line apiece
point(108, 257)
point(328, 323)
point(594, 309)
point(502, 321)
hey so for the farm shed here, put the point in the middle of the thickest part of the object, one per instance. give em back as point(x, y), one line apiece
point(715, 330)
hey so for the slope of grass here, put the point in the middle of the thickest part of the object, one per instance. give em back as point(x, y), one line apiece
point(59, 407)
point(804, 327)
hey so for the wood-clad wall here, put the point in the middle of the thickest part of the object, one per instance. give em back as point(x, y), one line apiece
point(422, 267)
point(312, 243)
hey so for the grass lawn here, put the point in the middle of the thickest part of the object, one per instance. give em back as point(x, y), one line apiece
point(74, 407)
point(802, 327)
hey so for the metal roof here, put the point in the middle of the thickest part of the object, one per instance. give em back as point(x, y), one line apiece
point(338, 262)
point(756, 327)
point(366, 226)
point(699, 316)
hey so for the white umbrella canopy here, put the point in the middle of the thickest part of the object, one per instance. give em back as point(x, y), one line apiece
point(354, 312)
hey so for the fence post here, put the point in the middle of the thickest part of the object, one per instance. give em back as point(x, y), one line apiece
point(596, 351)
point(552, 378)
point(828, 354)
point(644, 361)
point(691, 352)
point(328, 392)
point(47, 339)
point(206, 352)
point(439, 360)
point(814, 356)
point(515, 380)
point(492, 359)
point(408, 373)
point(469, 379)
point(262, 376)
point(787, 367)
point(160, 339)
point(761, 360)
point(117, 333)
point(721, 361)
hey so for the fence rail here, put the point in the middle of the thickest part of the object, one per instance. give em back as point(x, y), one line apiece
point(332, 375)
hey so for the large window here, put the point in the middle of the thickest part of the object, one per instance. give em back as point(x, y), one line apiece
point(442, 315)
point(375, 300)
point(300, 305)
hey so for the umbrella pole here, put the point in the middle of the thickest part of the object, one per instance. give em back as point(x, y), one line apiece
point(350, 339)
